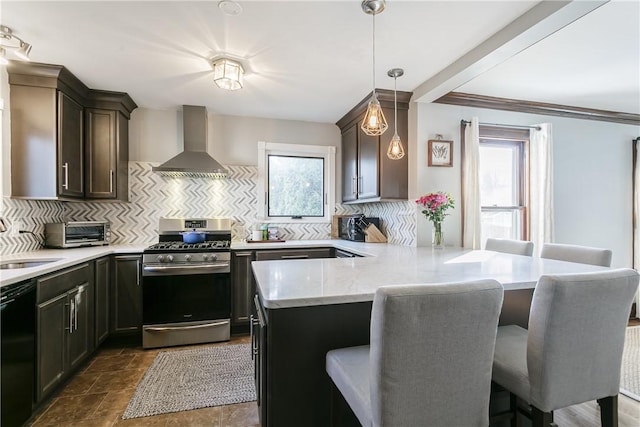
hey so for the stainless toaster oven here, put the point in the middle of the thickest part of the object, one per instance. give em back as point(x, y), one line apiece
point(74, 234)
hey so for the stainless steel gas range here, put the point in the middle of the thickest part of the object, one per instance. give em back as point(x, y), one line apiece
point(186, 287)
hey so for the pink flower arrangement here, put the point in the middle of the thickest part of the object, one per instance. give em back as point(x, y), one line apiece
point(435, 206)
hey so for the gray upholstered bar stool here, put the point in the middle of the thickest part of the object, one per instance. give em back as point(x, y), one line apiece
point(516, 247)
point(429, 362)
point(575, 253)
point(572, 351)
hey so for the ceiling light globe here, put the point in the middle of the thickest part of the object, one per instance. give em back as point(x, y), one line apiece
point(228, 74)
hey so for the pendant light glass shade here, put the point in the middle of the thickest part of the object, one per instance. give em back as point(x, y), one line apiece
point(374, 122)
point(227, 74)
point(395, 150)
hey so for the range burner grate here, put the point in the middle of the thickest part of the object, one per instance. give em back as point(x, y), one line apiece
point(181, 246)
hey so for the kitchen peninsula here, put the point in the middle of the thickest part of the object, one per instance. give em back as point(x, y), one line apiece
point(306, 308)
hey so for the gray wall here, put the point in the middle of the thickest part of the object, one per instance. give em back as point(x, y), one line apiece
point(592, 175)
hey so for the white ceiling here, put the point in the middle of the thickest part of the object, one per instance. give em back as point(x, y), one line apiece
point(311, 60)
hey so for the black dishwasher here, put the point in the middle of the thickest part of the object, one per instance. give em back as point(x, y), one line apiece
point(17, 353)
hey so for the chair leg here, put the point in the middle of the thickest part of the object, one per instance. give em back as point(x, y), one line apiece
point(539, 418)
point(609, 411)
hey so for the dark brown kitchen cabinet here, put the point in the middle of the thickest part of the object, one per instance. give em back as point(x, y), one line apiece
point(64, 314)
point(102, 278)
point(293, 254)
point(107, 146)
point(368, 175)
point(126, 295)
point(244, 287)
point(70, 147)
point(59, 151)
point(46, 132)
point(350, 163)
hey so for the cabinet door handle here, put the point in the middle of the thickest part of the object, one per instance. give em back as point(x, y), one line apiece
point(72, 311)
point(254, 337)
point(75, 309)
point(70, 328)
point(138, 270)
point(354, 185)
point(111, 181)
point(65, 184)
point(360, 185)
point(294, 257)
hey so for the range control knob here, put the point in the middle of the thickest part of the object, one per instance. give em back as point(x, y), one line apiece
point(187, 257)
point(169, 258)
point(209, 257)
point(161, 258)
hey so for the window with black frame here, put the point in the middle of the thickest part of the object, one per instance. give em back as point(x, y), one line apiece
point(295, 186)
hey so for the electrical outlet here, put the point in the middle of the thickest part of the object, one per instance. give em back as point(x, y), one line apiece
point(16, 226)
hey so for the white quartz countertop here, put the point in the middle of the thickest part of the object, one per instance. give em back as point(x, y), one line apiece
point(65, 258)
point(298, 283)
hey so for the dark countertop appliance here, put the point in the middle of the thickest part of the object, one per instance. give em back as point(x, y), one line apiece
point(186, 287)
point(352, 227)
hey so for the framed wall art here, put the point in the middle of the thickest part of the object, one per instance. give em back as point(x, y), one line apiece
point(440, 153)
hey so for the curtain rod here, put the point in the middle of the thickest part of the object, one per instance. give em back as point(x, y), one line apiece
point(466, 122)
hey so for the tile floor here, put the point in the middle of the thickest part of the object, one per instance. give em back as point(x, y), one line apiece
point(99, 393)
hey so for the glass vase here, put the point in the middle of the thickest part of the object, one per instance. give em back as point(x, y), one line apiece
point(437, 238)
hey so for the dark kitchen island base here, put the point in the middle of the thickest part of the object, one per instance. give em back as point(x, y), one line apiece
point(293, 386)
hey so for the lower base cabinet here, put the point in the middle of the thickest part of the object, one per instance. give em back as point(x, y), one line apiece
point(126, 295)
point(65, 325)
point(102, 278)
point(243, 283)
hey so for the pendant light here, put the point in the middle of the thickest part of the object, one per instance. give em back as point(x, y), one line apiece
point(374, 123)
point(395, 150)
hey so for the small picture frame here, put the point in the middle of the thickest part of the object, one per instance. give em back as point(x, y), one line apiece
point(440, 153)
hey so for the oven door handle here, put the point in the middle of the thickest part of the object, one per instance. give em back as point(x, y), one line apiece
point(182, 268)
point(181, 328)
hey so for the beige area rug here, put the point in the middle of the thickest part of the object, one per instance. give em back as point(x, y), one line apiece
point(183, 380)
point(630, 373)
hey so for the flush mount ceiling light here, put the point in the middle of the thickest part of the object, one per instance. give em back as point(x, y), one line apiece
point(9, 41)
point(230, 8)
point(374, 123)
point(227, 73)
point(395, 150)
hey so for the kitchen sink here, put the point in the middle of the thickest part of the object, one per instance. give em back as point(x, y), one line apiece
point(25, 263)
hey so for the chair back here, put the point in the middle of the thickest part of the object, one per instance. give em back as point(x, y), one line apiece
point(431, 353)
point(575, 253)
point(516, 247)
point(576, 336)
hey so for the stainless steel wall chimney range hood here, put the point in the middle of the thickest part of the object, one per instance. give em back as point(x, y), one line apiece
point(194, 161)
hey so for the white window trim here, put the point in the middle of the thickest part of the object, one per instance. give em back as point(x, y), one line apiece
point(329, 155)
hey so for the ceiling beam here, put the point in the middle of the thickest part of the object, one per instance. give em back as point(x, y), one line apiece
point(542, 20)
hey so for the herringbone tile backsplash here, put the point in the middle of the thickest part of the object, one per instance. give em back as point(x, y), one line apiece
point(153, 195)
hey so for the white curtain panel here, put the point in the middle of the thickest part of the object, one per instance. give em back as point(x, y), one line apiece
point(541, 186)
point(471, 185)
point(636, 219)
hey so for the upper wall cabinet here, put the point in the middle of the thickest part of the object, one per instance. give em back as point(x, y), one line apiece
point(368, 175)
point(107, 146)
point(68, 142)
